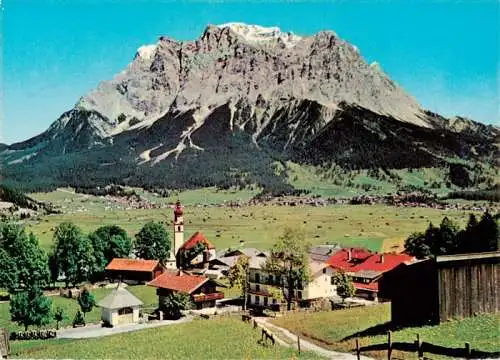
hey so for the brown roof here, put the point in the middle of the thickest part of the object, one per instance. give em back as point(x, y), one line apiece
point(132, 264)
point(173, 281)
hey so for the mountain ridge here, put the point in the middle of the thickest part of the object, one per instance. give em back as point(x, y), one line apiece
point(278, 96)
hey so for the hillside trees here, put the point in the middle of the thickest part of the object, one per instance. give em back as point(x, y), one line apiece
point(289, 261)
point(74, 253)
point(448, 239)
point(152, 242)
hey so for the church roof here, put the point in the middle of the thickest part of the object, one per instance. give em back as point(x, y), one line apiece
point(198, 237)
point(119, 298)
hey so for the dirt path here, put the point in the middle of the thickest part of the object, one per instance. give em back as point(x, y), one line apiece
point(304, 344)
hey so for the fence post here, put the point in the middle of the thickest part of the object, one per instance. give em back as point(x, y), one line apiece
point(358, 352)
point(467, 350)
point(420, 353)
point(389, 345)
point(254, 323)
point(298, 342)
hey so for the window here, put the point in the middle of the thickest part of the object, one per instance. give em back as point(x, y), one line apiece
point(324, 271)
point(257, 287)
point(257, 300)
point(265, 300)
point(257, 278)
point(270, 279)
point(178, 228)
point(249, 299)
point(299, 294)
point(125, 311)
point(274, 301)
point(332, 280)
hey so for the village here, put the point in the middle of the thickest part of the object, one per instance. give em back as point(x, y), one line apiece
point(193, 280)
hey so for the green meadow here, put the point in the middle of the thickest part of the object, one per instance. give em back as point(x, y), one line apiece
point(377, 227)
point(338, 328)
point(224, 338)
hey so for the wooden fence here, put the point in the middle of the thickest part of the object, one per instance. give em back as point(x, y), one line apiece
point(420, 347)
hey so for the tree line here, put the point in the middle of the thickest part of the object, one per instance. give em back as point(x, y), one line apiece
point(75, 257)
point(481, 235)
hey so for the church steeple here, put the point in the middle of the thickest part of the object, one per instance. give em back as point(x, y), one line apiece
point(178, 226)
point(178, 234)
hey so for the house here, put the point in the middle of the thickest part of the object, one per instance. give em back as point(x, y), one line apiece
point(120, 307)
point(199, 260)
point(202, 290)
point(322, 252)
point(223, 263)
point(365, 268)
point(133, 269)
point(432, 291)
point(263, 284)
point(250, 252)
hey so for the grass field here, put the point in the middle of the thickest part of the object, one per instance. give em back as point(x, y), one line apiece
point(225, 338)
point(377, 227)
point(482, 332)
point(145, 293)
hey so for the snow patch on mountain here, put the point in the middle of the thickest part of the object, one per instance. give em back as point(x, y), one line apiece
point(259, 34)
point(146, 51)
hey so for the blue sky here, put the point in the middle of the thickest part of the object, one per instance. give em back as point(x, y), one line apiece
point(445, 53)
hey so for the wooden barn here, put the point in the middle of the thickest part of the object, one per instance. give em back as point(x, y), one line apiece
point(133, 270)
point(448, 287)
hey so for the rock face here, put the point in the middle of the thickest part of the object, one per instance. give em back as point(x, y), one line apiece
point(306, 98)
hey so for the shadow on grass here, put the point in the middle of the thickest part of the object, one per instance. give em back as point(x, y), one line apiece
point(380, 329)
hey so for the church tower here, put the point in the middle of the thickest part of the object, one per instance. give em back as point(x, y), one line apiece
point(178, 227)
point(178, 235)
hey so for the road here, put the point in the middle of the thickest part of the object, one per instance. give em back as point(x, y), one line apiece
point(93, 331)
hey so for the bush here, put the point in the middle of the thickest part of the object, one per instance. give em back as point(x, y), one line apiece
point(78, 320)
point(33, 335)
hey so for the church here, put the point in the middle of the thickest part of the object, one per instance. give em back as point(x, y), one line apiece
point(193, 253)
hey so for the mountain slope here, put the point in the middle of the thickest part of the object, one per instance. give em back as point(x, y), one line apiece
point(225, 108)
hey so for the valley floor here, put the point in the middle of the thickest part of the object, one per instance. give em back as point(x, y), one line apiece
point(377, 227)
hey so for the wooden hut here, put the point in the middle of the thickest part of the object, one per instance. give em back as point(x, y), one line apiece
point(448, 287)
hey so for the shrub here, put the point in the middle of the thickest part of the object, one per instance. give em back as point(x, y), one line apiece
point(33, 335)
point(78, 320)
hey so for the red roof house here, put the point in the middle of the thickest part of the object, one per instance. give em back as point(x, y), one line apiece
point(366, 267)
point(202, 290)
point(133, 269)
